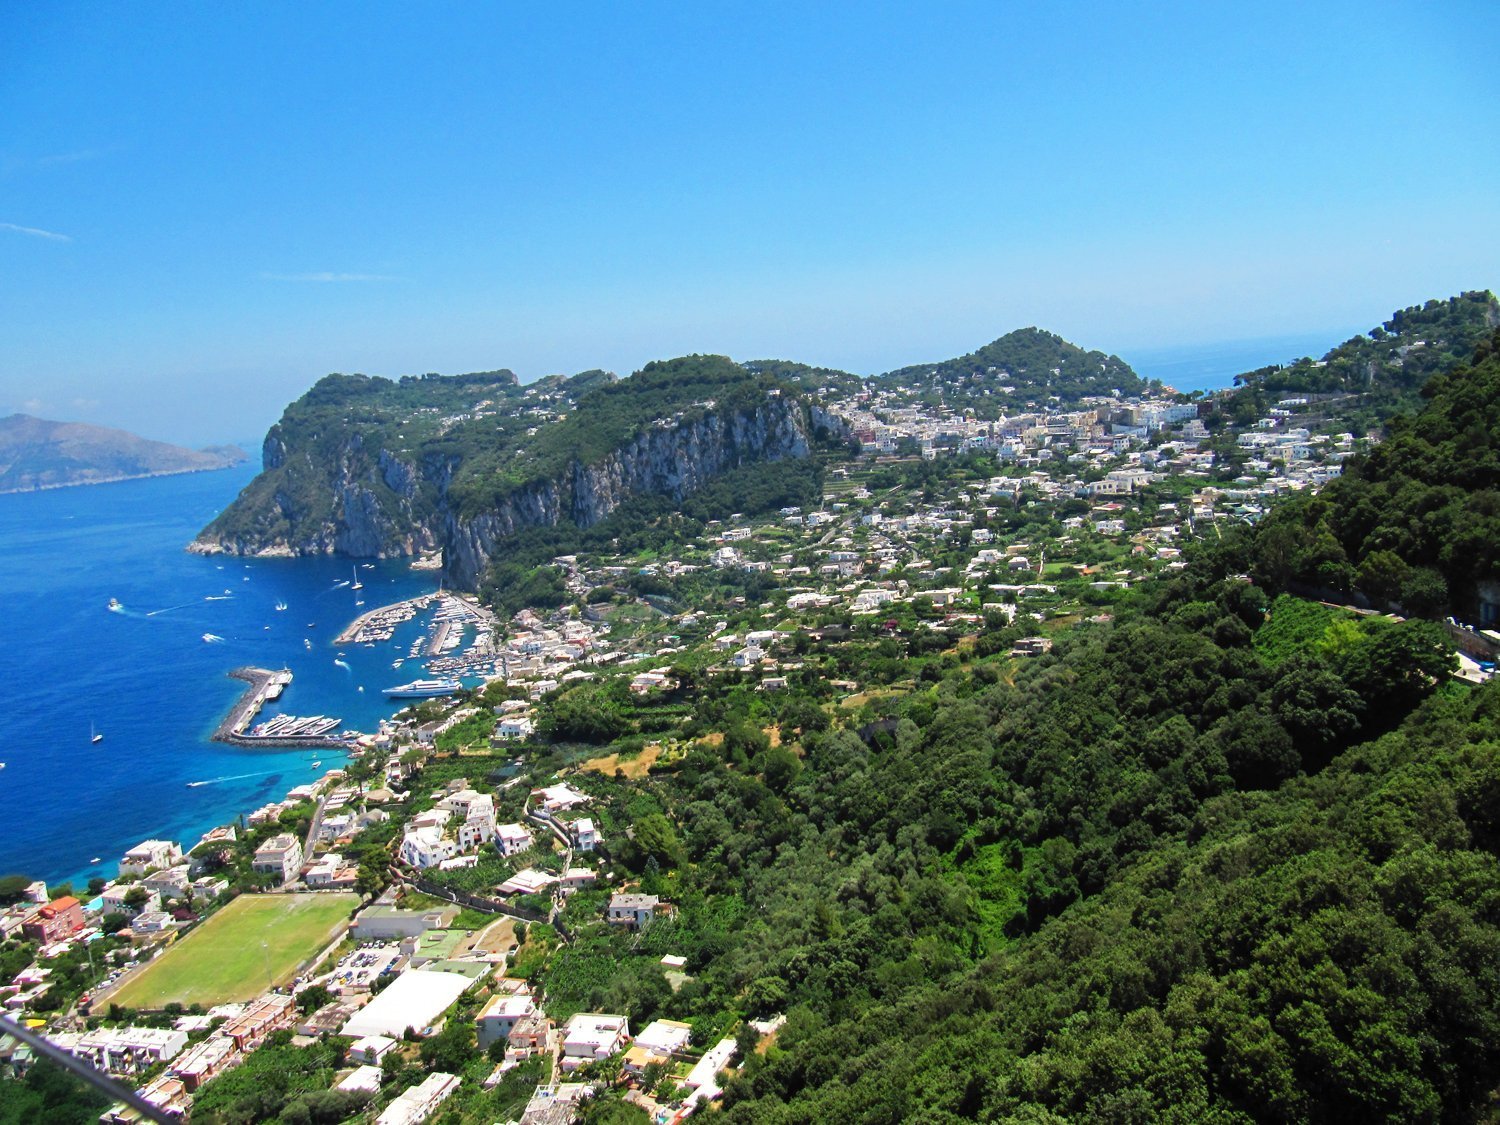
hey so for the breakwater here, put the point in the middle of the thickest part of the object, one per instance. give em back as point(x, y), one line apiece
point(266, 685)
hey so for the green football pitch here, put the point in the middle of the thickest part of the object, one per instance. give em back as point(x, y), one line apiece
point(253, 943)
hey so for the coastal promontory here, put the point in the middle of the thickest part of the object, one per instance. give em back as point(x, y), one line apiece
point(36, 453)
point(373, 467)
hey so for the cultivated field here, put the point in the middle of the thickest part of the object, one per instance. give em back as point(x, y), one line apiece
point(254, 942)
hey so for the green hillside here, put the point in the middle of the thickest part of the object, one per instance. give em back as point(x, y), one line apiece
point(1028, 365)
point(1375, 376)
point(1417, 520)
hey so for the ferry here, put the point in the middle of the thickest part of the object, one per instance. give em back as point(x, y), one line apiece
point(424, 689)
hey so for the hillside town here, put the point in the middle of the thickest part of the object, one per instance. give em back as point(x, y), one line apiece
point(492, 881)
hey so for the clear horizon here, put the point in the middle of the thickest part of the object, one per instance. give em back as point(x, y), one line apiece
point(204, 210)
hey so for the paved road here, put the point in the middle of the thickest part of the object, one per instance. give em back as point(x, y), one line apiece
point(312, 829)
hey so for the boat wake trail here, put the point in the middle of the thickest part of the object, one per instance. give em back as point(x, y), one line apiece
point(169, 609)
point(230, 777)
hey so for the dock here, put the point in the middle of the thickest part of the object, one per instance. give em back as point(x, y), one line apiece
point(439, 638)
point(378, 624)
point(266, 685)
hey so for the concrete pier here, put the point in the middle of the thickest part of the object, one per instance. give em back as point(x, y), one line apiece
point(395, 613)
point(265, 685)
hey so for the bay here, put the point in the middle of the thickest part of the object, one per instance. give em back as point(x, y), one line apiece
point(146, 679)
point(1213, 366)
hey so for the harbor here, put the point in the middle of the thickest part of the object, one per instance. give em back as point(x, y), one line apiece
point(380, 624)
point(283, 730)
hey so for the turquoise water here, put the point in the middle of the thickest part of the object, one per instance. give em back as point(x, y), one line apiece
point(147, 680)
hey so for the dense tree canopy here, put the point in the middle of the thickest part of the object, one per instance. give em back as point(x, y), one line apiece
point(1416, 521)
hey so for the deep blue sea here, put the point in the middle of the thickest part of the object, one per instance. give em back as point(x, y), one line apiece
point(147, 680)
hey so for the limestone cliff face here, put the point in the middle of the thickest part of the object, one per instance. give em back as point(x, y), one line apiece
point(377, 503)
point(356, 504)
point(665, 460)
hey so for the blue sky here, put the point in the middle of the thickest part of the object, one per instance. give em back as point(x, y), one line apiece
point(204, 208)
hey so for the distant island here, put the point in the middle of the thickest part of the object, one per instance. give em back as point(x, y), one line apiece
point(36, 454)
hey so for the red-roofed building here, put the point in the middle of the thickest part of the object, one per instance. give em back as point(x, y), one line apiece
point(60, 918)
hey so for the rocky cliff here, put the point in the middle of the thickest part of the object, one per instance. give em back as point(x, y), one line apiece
point(356, 484)
point(666, 460)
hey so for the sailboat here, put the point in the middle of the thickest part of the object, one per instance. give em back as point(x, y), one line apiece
point(357, 585)
point(94, 736)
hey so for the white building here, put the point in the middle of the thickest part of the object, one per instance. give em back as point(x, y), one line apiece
point(498, 1018)
point(589, 1037)
point(149, 854)
point(514, 728)
point(633, 910)
point(586, 837)
point(561, 796)
point(461, 802)
point(280, 856)
point(415, 1000)
point(478, 827)
point(657, 1043)
point(425, 847)
point(171, 883)
point(415, 1105)
point(527, 882)
point(330, 871)
point(125, 1050)
point(511, 839)
point(362, 1080)
point(113, 901)
point(372, 1049)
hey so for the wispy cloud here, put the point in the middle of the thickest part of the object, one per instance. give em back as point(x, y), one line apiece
point(326, 277)
point(14, 165)
point(74, 157)
point(36, 232)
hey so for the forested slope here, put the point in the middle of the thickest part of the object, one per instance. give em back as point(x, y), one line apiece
point(1158, 877)
point(1380, 374)
point(1218, 859)
point(1417, 520)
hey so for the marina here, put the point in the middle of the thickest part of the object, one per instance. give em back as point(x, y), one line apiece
point(380, 624)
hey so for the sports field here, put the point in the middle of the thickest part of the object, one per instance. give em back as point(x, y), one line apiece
point(254, 942)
